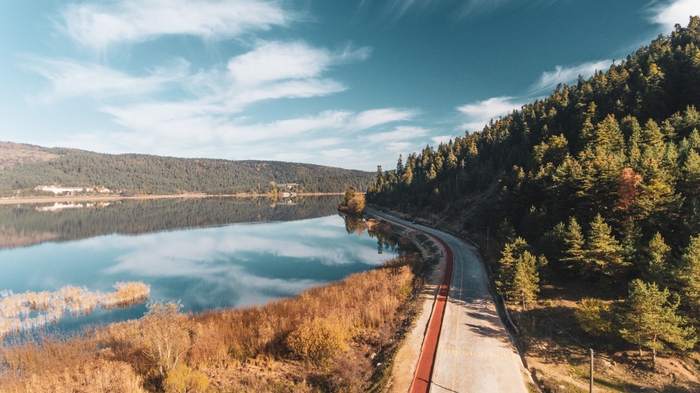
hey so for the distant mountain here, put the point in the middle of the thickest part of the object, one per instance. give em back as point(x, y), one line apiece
point(23, 167)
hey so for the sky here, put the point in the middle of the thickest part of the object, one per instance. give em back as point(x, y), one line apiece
point(350, 83)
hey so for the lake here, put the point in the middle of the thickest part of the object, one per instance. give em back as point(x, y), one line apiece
point(206, 253)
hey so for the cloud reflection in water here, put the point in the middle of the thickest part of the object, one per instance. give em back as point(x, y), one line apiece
point(240, 264)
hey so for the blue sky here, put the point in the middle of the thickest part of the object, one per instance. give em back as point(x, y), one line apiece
point(349, 83)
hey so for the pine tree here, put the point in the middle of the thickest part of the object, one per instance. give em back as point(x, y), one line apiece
point(657, 255)
point(507, 264)
point(526, 280)
point(603, 254)
point(689, 275)
point(574, 253)
point(631, 237)
point(651, 320)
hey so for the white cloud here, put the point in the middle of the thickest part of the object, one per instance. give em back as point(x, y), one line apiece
point(399, 147)
point(675, 12)
point(375, 117)
point(278, 61)
point(549, 80)
point(339, 153)
point(400, 133)
point(441, 139)
point(99, 25)
point(273, 70)
point(198, 129)
point(480, 113)
point(70, 78)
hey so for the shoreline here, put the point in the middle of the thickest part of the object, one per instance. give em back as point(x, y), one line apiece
point(99, 198)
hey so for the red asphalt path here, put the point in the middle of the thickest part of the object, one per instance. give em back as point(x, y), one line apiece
point(424, 371)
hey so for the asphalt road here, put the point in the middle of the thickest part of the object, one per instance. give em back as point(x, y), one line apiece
point(475, 352)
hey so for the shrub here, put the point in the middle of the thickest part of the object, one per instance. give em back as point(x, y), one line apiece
point(183, 379)
point(318, 340)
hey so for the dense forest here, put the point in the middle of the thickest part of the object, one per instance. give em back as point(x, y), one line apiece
point(23, 225)
point(145, 174)
point(597, 183)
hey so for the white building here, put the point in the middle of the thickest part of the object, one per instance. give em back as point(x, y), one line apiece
point(63, 190)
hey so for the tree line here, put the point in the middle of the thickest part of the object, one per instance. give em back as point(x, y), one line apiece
point(599, 182)
point(147, 174)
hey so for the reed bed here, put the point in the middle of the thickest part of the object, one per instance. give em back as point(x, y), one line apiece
point(32, 310)
point(236, 350)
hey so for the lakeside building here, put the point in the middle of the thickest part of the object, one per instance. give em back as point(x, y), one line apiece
point(63, 190)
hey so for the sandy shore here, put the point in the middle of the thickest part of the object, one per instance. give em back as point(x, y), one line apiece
point(11, 201)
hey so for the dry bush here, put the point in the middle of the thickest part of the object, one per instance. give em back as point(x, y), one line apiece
point(165, 335)
point(183, 379)
point(318, 340)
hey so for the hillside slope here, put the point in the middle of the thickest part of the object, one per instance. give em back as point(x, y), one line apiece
point(23, 167)
point(590, 200)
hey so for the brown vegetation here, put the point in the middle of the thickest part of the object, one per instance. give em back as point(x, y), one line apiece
point(17, 153)
point(332, 338)
point(31, 310)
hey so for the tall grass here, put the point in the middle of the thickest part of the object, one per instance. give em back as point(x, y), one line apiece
point(31, 310)
point(219, 346)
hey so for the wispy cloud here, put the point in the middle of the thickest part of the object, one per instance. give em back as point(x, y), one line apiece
point(441, 139)
point(400, 133)
point(375, 117)
point(98, 26)
point(481, 6)
point(461, 8)
point(668, 14)
point(71, 78)
point(198, 130)
point(561, 74)
point(480, 113)
point(272, 70)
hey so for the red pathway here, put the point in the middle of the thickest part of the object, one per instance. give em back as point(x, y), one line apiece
point(424, 371)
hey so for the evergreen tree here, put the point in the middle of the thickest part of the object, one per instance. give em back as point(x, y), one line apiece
point(631, 237)
point(574, 254)
point(657, 255)
point(689, 276)
point(510, 255)
point(651, 320)
point(526, 280)
point(603, 254)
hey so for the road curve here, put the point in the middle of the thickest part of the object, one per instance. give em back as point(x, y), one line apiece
point(474, 352)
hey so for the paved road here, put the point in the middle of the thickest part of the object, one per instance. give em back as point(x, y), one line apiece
point(475, 353)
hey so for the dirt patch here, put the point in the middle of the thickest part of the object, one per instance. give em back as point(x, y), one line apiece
point(12, 154)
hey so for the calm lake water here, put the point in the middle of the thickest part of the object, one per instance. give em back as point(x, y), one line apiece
point(206, 253)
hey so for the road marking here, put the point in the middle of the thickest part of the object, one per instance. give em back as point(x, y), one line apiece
point(488, 355)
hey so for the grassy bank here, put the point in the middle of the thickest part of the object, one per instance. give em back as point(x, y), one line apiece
point(336, 338)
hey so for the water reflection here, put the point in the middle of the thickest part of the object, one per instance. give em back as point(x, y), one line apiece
point(24, 225)
point(210, 267)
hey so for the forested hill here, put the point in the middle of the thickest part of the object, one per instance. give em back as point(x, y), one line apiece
point(23, 167)
point(602, 177)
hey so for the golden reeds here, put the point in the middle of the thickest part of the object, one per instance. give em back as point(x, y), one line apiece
point(31, 310)
point(233, 349)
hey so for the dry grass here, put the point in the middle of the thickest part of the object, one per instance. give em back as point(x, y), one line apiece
point(227, 351)
point(32, 310)
point(16, 153)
